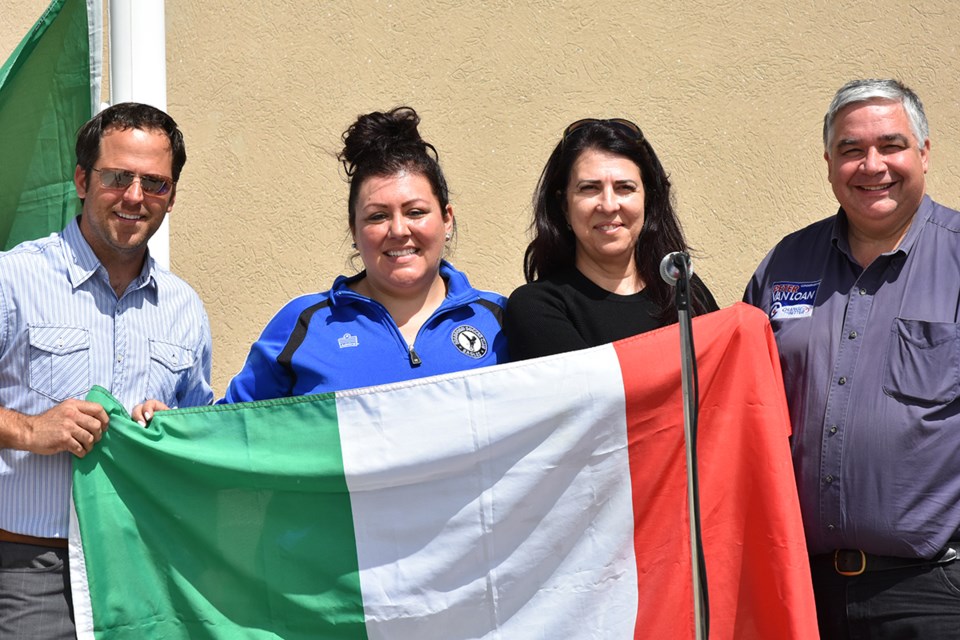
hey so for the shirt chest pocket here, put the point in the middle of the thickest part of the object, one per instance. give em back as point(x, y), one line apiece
point(923, 362)
point(59, 361)
point(169, 365)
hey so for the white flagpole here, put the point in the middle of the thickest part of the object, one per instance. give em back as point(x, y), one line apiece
point(95, 45)
point(138, 72)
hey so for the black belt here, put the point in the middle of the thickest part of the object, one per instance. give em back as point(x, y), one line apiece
point(853, 562)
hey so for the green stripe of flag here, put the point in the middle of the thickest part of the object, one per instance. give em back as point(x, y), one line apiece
point(44, 99)
point(268, 538)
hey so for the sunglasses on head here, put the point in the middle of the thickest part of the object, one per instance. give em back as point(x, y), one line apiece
point(121, 179)
point(625, 126)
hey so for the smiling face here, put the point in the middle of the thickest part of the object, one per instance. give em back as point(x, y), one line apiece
point(876, 167)
point(604, 207)
point(400, 231)
point(117, 223)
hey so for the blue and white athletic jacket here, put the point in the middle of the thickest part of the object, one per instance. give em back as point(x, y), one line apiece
point(340, 339)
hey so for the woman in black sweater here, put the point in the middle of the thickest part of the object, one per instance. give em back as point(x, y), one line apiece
point(603, 220)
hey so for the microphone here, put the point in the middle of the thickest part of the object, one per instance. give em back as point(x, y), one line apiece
point(671, 267)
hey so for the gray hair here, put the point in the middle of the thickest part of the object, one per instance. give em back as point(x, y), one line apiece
point(866, 90)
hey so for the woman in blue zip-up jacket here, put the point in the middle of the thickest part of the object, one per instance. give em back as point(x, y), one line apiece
point(409, 313)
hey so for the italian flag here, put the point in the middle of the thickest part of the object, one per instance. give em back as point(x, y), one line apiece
point(542, 499)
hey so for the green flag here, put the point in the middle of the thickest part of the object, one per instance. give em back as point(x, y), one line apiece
point(46, 94)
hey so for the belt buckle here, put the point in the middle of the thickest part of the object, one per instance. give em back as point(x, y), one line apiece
point(849, 572)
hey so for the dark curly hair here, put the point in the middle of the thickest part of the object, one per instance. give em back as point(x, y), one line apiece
point(383, 144)
point(553, 247)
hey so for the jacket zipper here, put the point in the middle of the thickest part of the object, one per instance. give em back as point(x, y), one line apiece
point(414, 358)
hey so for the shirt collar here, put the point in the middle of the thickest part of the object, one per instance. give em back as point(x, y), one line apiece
point(916, 225)
point(82, 262)
point(459, 290)
point(841, 229)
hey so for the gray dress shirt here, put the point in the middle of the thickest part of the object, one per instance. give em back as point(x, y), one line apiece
point(871, 366)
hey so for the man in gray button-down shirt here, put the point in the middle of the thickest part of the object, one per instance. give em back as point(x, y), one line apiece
point(864, 306)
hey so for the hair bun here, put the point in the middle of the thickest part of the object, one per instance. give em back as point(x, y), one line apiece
point(377, 139)
point(388, 144)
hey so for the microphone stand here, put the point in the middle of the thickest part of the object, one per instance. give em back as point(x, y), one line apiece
point(691, 395)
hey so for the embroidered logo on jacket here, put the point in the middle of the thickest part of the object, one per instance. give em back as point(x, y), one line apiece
point(791, 300)
point(348, 341)
point(469, 341)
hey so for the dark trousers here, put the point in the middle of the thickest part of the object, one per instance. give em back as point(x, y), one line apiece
point(34, 593)
point(920, 602)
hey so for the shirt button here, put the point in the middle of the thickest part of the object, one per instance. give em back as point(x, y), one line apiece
point(853, 335)
point(119, 358)
point(833, 429)
point(842, 380)
point(829, 479)
point(863, 292)
point(830, 527)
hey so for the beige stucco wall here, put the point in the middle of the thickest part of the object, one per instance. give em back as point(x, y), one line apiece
point(731, 94)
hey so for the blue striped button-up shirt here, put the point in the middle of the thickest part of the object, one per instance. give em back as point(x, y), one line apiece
point(63, 330)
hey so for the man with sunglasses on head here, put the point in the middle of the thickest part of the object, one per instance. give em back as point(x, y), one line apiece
point(87, 306)
point(864, 306)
